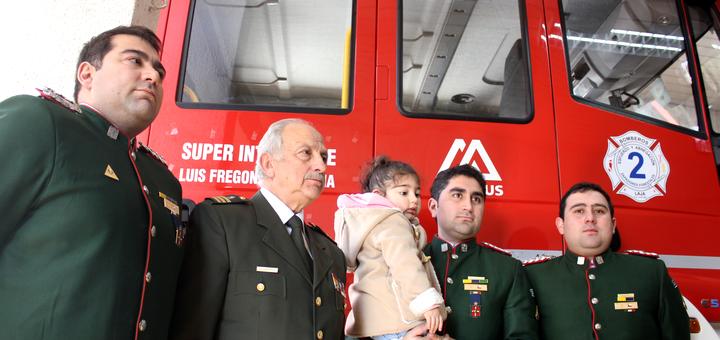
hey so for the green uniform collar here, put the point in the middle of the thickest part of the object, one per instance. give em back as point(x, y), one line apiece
point(577, 262)
point(441, 246)
point(103, 125)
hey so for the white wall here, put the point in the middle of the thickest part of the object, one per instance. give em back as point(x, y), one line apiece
point(40, 40)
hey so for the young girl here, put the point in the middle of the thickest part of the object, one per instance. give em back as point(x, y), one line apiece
point(395, 287)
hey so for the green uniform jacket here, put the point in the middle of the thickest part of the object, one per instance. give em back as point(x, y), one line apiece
point(81, 256)
point(242, 278)
point(470, 273)
point(618, 297)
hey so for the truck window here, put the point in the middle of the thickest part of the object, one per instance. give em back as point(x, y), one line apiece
point(708, 49)
point(629, 56)
point(281, 55)
point(464, 60)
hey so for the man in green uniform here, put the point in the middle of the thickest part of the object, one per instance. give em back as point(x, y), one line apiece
point(486, 289)
point(254, 269)
point(592, 292)
point(90, 235)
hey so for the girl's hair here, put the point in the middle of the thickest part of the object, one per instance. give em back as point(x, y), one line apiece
point(382, 170)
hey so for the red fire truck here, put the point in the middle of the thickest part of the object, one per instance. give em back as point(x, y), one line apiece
point(538, 94)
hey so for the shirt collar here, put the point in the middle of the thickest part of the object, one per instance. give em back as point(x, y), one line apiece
point(281, 209)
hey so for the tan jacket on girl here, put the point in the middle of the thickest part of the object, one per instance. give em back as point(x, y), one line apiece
point(394, 281)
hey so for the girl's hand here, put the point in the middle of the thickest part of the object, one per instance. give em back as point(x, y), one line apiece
point(434, 320)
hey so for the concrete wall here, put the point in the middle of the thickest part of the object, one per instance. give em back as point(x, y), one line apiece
point(41, 39)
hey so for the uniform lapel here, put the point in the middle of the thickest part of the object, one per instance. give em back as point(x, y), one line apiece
point(276, 236)
point(322, 259)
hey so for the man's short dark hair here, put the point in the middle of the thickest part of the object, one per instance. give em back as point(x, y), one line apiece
point(443, 177)
point(585, 187)
point(95, 50)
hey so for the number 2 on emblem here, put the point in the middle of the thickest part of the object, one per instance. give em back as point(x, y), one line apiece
point(635, 173)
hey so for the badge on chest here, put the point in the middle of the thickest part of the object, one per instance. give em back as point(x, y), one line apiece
point(174, 209)
point(475, 286)
point(339, 285)
point(626, 302)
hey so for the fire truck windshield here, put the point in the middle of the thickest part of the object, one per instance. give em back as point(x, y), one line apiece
point(631, 57)
point(292, 53)
point(464, 59)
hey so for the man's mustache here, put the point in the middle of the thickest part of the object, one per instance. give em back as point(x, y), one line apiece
point(317, 176)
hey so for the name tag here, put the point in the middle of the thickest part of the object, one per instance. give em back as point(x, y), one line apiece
point(262, 269)
point(626, 306)
point(170, 204)
point(476, 287)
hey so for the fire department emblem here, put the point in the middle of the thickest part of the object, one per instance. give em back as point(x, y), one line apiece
point(636, 166)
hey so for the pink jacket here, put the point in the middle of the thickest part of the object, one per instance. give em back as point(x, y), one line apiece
point(394, 281)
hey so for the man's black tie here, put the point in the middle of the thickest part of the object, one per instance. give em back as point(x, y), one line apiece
point(296, 225)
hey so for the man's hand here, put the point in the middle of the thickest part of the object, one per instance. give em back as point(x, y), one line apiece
point(433, 320)
point(417, 333)
point(420, 333)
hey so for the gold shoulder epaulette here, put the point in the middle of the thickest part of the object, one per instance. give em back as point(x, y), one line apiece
point(536, 260)
point(151, 153)
point(50, 95)
point(229, 199)
point(495, 248)
point(642, 253)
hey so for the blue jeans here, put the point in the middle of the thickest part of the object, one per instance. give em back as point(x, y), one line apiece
point(391, 336)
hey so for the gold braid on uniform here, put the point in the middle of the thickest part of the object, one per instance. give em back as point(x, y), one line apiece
point(537, 259)
point(495, 248)
point(229, 199)
point(150, 152)
point(642, 253)
point(52, 96)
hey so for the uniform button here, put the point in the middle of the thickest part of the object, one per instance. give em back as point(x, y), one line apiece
point(591, 276)
point(318, 301)
point(142, 325)
point(153, 231)
point(450, 280)
point(320, 335)
point(148, 277)
point(146, 190)
point(598, 326)
point(454, 256)
point(594, 301)
point(132, 154)
point(260, 287)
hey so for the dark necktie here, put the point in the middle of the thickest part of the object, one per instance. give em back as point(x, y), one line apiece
point(296, 234)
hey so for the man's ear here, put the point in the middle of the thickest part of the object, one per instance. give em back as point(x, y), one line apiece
point(614, 224)
point(560, 225)
point(85, 75)
point(267, 165)
point(433, 206)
